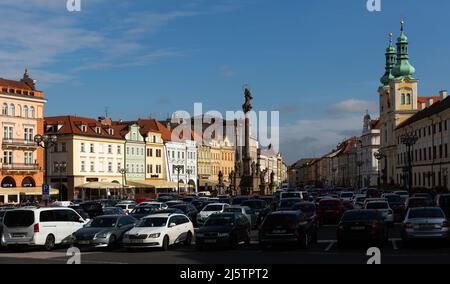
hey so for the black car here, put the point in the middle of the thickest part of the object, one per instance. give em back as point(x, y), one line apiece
point(225, 199)
point(237, 200)
point(93, 209)
point(287, 203)
point(428, 196)
point(228, 229)
point(168, 211)
point(113, 211)
point(396, 203)
point(108, 203)
point(287, 227)
point(362, 226)
point(2, 213)
point(310, 211)
point(142, 211)
point(443, 202)
point(80, 212)
point(259, 207)
point(188, 210)
point(104, 231)
point(198, 204)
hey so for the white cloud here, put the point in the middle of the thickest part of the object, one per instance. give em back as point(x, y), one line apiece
point(352, 106)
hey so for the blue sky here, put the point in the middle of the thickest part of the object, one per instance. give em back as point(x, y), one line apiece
point(318, 62)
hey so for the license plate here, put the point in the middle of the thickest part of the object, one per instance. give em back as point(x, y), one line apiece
point(279, 232)
point(210, 241)
point(18, 235)
point(137, 241)
point(83, 242)
point(358, 228)
point(426, 226)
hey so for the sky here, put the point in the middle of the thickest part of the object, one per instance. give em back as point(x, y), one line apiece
point(317, 62)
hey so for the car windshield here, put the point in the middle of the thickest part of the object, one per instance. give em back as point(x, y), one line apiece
point(346, 195)
point(289, 202)
point(358, 215)
point(417, 202)
point(220, 221)
point(377, 205)
point(305, 207)
point(144, 210)
point(210, 208)
point(393, 198)
point(233, 209)
point(257, 204)
point(291, 194)
point(152, 222)
point(273, 220)
point(103, 222)
point(19, 218)
point(426, 213)
point(109, 211)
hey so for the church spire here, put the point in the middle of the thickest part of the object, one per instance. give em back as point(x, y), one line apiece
point(403, 68)
point(391, 59)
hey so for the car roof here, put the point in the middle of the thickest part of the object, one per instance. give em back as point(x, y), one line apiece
point(329, 199)
point(221, 204)
point(109, 216)
point(284, 212)
point(163, 215)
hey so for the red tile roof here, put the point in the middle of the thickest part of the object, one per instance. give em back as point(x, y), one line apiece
point(153, 125)
point(421, 100)
point(72, 125)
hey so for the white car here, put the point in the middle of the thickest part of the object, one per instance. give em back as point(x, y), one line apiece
point(126, 207)
point(246, 211)
point(383, 208)
point(154, 204)
point(62, 204)
point(346, 196)
point(292, 194)
point(31, 226)
point(160, 231)
point(209, 210)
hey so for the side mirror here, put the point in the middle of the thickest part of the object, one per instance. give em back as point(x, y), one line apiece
point(172, 225)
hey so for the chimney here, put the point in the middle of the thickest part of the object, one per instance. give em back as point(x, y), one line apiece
point(106, 121)
point(443, 94)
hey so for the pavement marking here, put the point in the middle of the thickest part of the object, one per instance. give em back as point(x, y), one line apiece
point(330, 246)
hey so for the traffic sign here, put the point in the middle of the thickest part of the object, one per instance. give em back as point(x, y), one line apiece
point(45, 191)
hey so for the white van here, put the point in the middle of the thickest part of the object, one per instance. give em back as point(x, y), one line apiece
point(32, 226)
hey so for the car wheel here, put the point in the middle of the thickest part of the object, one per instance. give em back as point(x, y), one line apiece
point(188, 240)
point(50, 243)
point(165, 244)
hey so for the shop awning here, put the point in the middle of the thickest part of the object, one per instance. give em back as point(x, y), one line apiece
point(26, 191)
point(101, 185)
point(156, 184)
point(204, 182)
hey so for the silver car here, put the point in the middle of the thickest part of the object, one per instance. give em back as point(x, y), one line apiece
point(246, 211)
point(425, 223)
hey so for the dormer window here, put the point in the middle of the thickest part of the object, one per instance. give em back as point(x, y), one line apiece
point(98, 130)
point(111, 131)
point(83, 128)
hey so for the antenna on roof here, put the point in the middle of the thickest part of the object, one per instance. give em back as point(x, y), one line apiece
point(106, 111)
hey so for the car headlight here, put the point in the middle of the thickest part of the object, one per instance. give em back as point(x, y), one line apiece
point(104, 235)
point(221, 235)
point(154, 236)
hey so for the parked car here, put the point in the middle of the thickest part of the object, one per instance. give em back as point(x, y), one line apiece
point(224, 229)
point(443, 202)
point(330, 209)
point(113, 211)
point(246, 211)
point(143, 211)
point(346, 196)
point(283, 227)
point(403, 194)
point(104, 231)
point(384, 209)
point(209, 210)
point(93, 209)
point(126, 207)
point(362, 226)
point(40, 226)
point(224, 199)
point(160, 230)
point(260, 209)
point(81, 212)
point(425, 223)
point(287, 203)
point(310, 211)
point(358, 201)
point(396, 203)
point(414, 202)
point(427, 196)
point(2, 214)
point(172, 203)
point(237, 200)
point(198, 204)
point(188, 210)
point(155, 204)
point(373, 193)
point(294, 194)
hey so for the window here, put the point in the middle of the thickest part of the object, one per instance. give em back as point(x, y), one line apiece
point(83, 128)
point(109, 149)
point(28, 134)
point(25, 111)
point(119, 150)
point(5, 109)
point(8, 132)
point(82, 148)
point(83, 166)
point(7, 158)
point(92, 166)
point(28, 158)
point(408, 99)
point(128, 150)
point(402, 99)
point(98, 130)
point(92, 148)
point(154, 139)
point(32, 112)
point(119, 166)
point(110, 167)
point(158, 153)
point(63, 147)
point(12, 110)
point(132, 151)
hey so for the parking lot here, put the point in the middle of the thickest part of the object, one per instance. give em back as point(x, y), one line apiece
point(324, 252)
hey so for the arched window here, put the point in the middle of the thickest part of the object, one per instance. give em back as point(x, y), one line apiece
point(12, 110)
point(25, 111)
point(4, 109)
point(32, 112)
point(402, 100)
point(408, 99)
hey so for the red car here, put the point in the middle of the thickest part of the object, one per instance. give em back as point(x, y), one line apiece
point(330, 209)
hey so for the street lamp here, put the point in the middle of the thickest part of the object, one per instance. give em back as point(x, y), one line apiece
point(60, 168)
point(45, 142)
point(178, 168)
point(379, 156)
point(123, 172)
point(409, 140)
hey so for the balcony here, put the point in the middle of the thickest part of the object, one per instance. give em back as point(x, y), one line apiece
point(28, 168)
point(18, 143)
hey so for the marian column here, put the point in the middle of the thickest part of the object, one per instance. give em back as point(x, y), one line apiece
point(246, 184)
